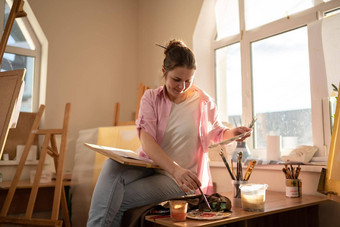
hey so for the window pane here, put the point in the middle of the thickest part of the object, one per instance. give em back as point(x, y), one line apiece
point(15, 61)
point(261, 12)
point(281, 86)
point(227, 18)
point(229, 83)
point(17, 38)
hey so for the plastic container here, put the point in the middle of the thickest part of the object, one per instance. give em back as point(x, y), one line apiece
point(253, 196)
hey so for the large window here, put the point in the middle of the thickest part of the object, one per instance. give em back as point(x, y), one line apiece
point(262, 69)
point(22, 51)
point(281, 89)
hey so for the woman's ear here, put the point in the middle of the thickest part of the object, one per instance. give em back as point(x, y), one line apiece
point(163, 70)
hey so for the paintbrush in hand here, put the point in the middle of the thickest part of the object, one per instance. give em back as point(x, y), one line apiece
point(205, 199)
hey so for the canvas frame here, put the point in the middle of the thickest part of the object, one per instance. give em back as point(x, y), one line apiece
point(10, 85)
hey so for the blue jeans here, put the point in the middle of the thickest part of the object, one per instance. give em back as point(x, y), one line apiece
point(122, 187)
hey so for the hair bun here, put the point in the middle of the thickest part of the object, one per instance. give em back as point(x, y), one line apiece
point(173, 44)
point(177, 54)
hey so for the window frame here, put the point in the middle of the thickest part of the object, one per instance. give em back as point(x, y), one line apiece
point(39, 53)
point(246, 37)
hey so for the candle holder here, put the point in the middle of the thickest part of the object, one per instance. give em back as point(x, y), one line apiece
point(178, 210)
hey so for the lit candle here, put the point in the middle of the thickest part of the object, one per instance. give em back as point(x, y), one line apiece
point(178, 210)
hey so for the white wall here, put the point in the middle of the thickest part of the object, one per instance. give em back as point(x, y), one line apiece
point(158, 22)
point(89, 62)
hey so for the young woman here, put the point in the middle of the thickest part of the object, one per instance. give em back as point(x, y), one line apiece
point(176, 123)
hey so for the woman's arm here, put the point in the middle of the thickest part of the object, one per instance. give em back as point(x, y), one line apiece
point(184, 177)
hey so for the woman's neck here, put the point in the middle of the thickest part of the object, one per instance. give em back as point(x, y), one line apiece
point(187, 94)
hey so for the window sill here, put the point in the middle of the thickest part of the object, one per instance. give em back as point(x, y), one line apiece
point(305, 168)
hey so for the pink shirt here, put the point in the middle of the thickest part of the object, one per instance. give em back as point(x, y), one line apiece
point(154, 112)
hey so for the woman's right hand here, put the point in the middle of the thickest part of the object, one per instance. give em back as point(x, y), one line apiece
point(186, 179)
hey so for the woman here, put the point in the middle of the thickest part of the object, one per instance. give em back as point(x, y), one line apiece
point(176, 123)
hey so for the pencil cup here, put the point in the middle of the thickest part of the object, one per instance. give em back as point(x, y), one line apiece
point(293, 188)
point(236, 187)
point(178, 210)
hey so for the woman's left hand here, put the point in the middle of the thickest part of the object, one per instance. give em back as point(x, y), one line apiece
point(241, 130)
point(237, 131)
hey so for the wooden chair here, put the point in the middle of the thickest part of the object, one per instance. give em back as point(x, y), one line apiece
point(49, 146)
point(141, 89)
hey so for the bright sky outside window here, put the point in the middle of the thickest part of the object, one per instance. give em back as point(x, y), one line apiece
point(227, 18)
point(229, 83)
point(281, 88)
point(261, 12)
point(19, 36)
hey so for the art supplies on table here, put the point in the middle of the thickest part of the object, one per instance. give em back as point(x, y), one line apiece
point(238, 175)
point(293, 183)
point(249, 170)
point(291, 172)
point(227, 165)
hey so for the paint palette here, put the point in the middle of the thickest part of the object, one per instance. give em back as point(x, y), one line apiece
point(202, 215)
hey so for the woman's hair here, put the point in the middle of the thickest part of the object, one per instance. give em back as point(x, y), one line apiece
point(177, 54)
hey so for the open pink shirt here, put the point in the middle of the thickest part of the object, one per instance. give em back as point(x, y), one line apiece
point(155, 107)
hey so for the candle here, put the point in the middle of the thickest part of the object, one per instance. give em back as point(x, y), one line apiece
point(178, 210)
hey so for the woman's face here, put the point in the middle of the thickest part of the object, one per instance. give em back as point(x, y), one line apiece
point(178, 81)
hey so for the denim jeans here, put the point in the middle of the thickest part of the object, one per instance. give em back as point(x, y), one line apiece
point(122, 187)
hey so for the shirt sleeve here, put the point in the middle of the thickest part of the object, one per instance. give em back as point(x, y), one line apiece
point(147, 118)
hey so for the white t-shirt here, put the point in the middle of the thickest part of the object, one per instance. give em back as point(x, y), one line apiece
point(180, 139)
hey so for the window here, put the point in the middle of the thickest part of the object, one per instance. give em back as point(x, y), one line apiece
point(229, 83)
point(262, 69)
point(281, 91)
point(23, 50)
point(227, 18)
point(262, 12)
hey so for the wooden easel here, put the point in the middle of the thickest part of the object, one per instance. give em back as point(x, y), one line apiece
point(141, 89)
point(49, 147)
point(16, 12)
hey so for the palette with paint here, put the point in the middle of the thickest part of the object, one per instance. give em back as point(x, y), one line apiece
point(202, 215)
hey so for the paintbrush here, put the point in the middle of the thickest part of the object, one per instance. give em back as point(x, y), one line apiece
point(251, 125)
point(205, 199)
point(239, 167)
point(249, 170)
point(227, 165)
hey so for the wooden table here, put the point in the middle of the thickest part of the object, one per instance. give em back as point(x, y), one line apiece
point(279, 211)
